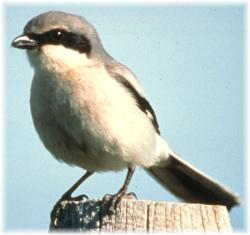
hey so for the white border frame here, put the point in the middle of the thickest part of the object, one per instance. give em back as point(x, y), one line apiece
point(119, 2)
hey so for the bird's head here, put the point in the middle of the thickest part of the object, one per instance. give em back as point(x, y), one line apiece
point(60, 39)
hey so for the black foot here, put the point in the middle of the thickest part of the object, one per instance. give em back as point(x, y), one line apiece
point(109, 197)
point(68, 197)
point(114, 200)
point(131, 196)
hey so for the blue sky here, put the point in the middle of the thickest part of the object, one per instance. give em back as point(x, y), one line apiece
point(190, 61)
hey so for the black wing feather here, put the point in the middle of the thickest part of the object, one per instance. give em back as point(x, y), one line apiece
point(143, 104)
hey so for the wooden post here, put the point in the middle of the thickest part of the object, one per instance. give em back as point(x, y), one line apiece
point(139, 216)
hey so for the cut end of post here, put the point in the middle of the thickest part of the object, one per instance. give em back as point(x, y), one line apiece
point(139, 216)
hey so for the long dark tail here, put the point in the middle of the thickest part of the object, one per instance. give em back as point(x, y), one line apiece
point(191, 185)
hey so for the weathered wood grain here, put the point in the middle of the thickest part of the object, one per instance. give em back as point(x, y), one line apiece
point(140, 216)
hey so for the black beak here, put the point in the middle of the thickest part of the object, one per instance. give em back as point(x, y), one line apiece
point(24, 42)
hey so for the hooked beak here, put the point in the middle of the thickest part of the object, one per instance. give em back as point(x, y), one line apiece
point(24, 42)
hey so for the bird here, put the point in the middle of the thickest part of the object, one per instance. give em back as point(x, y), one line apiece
point(91, 111)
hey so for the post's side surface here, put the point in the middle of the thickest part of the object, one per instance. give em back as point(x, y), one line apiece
point(140, 216)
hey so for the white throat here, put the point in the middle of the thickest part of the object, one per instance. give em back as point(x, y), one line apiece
point(57, 58)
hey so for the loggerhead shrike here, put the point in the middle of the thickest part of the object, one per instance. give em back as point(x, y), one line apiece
point(90, 111)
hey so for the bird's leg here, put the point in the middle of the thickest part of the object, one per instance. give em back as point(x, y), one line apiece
point(122, 192)
point(67, 194)
point(128, 178)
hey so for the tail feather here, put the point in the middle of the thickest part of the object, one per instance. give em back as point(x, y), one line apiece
point(190, 184)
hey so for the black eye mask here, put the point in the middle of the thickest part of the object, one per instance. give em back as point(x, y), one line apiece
point(62, 37)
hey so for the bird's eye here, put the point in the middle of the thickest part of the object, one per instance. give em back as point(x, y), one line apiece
point(54, 36)
point(57, 34)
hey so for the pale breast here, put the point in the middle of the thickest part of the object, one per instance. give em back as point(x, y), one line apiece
point(88, 120)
